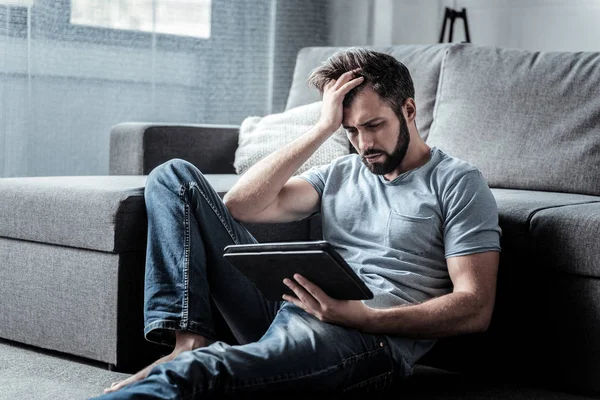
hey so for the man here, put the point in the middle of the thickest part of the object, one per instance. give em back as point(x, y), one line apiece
point(418, 226)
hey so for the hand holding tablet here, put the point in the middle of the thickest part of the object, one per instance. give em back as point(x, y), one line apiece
point(268, 264)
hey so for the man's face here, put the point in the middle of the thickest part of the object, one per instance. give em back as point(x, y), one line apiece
point(378, 135)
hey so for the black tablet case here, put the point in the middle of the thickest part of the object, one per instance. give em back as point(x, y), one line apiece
point(266, 265)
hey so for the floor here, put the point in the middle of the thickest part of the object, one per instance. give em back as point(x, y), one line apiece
point(29, 373)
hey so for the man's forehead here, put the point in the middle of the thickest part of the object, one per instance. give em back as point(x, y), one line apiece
point(362, 114)
point(365, 106)
point(360, 119)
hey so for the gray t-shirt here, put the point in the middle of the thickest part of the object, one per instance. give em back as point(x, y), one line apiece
point(396, 235)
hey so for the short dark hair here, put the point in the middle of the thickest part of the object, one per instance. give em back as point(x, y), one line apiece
point(389, 78)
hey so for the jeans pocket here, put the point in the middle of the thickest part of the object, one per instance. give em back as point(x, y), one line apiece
point(409, 233)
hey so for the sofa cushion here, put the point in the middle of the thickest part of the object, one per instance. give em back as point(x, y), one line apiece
point(104, 213)
point(527, 120)
point(516, 208)
point(62, 298)
point(423, 61)
point(261, 136)
point(136, 148)
point(567, 239)
point(520, 261)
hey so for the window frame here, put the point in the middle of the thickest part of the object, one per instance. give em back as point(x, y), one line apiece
point(67, 31)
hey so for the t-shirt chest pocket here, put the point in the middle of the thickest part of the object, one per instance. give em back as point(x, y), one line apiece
point(409, 233)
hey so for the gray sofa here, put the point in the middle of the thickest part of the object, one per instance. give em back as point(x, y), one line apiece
point(72, 276)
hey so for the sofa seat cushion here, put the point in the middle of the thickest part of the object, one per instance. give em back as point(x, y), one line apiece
point(567, 239)
point(516, 211)
point(104, 213)
point(516, 208)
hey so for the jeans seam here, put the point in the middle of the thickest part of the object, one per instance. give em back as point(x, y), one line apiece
point(172, 325)
point(150, 327)
point(216, 211)
point(186, 269)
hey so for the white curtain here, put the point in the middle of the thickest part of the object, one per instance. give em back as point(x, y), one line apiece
point(67, 75)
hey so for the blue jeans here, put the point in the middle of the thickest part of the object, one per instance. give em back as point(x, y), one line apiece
point(282, 348)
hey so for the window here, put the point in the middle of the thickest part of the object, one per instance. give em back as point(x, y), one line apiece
point(20, 3)
point(175, 17)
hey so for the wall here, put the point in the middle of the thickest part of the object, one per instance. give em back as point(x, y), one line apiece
point(547, 25)
point(298, 24)
point(349, 22)
point(382, 22)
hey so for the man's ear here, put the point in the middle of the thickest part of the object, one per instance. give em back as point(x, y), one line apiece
point(410, 110)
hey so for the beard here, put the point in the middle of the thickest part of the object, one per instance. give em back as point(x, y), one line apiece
point(391, 160)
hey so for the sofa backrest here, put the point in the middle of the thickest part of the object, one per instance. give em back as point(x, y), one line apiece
point(423, 62)
point(527, 120)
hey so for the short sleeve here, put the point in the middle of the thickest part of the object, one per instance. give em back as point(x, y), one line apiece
point(317, 177)
point(471, 217)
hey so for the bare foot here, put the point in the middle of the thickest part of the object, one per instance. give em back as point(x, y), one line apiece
point(184, 341)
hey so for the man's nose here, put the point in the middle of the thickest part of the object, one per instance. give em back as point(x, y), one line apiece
point(364, 142)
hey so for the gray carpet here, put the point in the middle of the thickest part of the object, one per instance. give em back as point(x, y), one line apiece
point(30, 373)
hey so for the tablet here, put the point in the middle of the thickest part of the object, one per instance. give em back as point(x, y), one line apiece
point(267, 264)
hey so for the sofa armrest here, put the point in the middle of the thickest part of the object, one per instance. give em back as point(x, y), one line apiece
point(137, 148)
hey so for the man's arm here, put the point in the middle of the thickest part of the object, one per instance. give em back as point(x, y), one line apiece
point(265, 193)
point(467, 309)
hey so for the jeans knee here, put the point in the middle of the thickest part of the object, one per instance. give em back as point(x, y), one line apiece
point(173, 173)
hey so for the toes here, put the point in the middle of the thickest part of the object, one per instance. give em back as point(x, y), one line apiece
point(115, 386)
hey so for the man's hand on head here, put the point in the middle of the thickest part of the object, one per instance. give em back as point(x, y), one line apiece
point(312, 299)
point(333, 96)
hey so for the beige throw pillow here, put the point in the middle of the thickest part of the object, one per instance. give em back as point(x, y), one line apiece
point(260, 136)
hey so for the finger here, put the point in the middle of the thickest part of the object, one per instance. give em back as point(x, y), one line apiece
point(295, 301)
point(345, 77)
point(302, 294)
point(348, 86)
point(316, 292)
point(329, 84)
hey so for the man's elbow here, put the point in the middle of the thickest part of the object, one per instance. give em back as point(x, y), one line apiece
point(241, 210)
point(233, 207)
point(484, 323)
point(483, 320)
